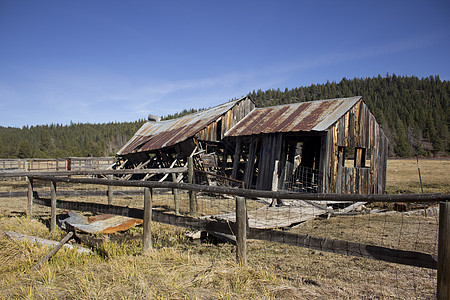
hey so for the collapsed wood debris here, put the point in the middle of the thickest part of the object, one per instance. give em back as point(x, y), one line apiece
point(44, 242)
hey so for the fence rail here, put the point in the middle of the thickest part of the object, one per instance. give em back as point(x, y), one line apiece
point(55, 164)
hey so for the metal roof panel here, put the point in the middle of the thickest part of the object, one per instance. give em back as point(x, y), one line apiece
point(305, 116)
point(156, 135)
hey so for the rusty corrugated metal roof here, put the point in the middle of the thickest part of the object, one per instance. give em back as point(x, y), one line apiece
point(100, 223)
point(157, 135)
point(304, 116)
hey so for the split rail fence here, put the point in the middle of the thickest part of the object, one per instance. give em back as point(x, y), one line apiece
point(233, 207)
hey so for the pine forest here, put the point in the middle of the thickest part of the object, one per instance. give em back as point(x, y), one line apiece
point(414, 113)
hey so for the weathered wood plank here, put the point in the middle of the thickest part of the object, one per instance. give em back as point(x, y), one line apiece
point(410, 258)
point(53, 206)
point(147, 220)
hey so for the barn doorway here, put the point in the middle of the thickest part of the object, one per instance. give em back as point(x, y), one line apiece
point(300, 164)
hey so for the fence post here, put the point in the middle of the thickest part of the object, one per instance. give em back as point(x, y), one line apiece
point(443, 270)
point(175, 195)
point(147, 219)
point(192, 206)
point(30, 197)
point(275, 181)
point(241, 231)
point(110, 191)
point(53, 205)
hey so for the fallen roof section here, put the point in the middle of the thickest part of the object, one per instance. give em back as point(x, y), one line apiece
point(157, 135)
point(104, 223)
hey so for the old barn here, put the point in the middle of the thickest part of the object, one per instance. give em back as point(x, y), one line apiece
point(326, 146)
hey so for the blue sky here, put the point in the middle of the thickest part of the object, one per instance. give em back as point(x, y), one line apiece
point(105, 61)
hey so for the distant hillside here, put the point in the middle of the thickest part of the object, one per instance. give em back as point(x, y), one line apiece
point(414, 113)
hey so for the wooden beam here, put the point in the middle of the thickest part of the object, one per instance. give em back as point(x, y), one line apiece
point(434, 197)
point(175, 195)
point(147, 234)
point(236, 159)
point(53, 251)
point(53, 206)
point(241, 231)
point(30, 198)
point(410, 258)
point(192, 204)
point(110, 191)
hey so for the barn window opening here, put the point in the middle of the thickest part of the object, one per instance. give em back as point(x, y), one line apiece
point(354, 157)
point(219, 130)
point(348, 156)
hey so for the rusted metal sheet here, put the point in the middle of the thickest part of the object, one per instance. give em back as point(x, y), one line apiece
point(100, 223)
point(306, 116)
point(157, 135)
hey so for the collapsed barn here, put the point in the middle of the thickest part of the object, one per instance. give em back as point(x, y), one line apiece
point(326, 146)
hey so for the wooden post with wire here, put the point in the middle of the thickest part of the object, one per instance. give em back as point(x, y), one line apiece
point(147, 235)
point(175, 195)
point(443, 269)
point(241, 231)
point(110, 191)
point(53, 205)
point(30, 198)
point(192, 204)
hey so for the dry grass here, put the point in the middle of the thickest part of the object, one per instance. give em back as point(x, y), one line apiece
point(403, 176)
point(180, 269)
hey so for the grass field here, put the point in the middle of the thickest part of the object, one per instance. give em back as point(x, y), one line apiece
point(178, 268)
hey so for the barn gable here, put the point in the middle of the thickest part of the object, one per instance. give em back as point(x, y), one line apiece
point(333, 146)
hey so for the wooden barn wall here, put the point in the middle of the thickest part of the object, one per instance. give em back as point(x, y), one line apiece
point(228, 120)
point(357, 128)
point(270, 152)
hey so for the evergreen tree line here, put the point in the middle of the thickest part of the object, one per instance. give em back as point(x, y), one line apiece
point(414, 113)
point(52, 141)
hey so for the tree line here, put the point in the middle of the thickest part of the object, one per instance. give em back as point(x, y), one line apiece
point(55, 140)
point(414, 113)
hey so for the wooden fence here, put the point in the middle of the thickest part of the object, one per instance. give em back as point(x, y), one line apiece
point(240, 227)
point(55, 164)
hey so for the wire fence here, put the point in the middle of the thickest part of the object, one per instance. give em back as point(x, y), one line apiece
point(300, 179)
point(315, 268)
